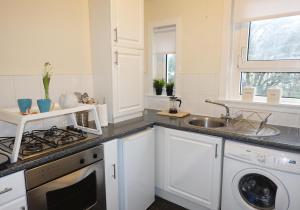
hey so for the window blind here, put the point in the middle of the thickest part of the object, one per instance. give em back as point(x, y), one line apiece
point(165, 40)
point(249, 10)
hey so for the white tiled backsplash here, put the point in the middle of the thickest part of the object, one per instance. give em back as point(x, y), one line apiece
point(195, 88)
point(14, 87)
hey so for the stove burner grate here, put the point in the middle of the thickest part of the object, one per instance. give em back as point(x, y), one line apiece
point(37, 141)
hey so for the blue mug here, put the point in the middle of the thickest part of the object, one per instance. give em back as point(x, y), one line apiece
point(44, 105)
point(24, 105)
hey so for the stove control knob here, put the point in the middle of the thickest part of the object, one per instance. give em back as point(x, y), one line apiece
point(81, 161)
point(95, 156)
point(261, 158)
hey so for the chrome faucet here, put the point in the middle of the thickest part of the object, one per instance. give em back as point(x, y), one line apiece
point(227, 116)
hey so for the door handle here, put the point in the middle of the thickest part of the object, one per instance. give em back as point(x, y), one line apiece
point(216, 151)
point(5, 190)
point(117, 57)
point(116, 34)
point(114, 171)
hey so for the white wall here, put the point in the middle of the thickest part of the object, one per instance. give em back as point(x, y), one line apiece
point(198, 51)
point(198, 77)
point(30, 86)
point(36, 31)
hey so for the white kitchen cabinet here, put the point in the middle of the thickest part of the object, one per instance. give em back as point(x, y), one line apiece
point(128, 23)
point(116, 29)
point(137, 181)
point(128, 85)
point(189, 166)
point(13, 192)
point(17, 204)
point(111, 174)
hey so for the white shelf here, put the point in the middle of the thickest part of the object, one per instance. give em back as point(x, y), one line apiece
point(15, 117)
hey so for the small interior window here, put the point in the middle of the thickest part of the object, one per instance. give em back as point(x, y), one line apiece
point(164, 53)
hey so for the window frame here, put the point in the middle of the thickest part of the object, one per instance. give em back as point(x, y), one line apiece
point(260, 66)
point(239, 63)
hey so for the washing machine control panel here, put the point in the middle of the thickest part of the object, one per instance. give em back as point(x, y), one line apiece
point(266, 157)
point(261, 158)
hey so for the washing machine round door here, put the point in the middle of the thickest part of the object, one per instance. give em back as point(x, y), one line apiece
point(259, 190)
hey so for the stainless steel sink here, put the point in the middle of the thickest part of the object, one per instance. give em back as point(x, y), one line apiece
point(207, 122)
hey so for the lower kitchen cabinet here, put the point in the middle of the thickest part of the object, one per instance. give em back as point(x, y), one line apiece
point(188, 168)
point(17, 204)
point(13, 192)
point(111, 174)
point(137, 181)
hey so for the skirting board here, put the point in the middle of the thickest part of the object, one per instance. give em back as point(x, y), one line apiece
point(177, 200)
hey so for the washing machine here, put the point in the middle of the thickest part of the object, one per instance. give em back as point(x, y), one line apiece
point(258, 178)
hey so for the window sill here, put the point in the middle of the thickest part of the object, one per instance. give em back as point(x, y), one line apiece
point(286, 105)
point(158, 96)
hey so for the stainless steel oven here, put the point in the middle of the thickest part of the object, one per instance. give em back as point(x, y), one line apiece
point(75, 182)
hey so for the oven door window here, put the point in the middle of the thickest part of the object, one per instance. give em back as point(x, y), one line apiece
point(80, 196)
point(258, 191)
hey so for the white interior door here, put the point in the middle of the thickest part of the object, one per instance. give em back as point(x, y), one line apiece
point(193, 167)
point(128, 23)
point(128, 82)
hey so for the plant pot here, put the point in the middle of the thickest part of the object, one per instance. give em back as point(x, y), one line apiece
point(44, 105)
point(169, 92)
point(24, 105)
point(158, 91)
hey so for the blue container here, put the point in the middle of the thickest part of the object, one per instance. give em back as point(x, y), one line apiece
point(44, 105)
point(24, 105)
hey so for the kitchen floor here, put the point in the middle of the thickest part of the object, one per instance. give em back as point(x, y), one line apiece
point(161, 204)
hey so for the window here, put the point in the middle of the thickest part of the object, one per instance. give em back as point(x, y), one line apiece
point(170, 67)
point(289, 82)
point(269, 56)
point(274, 39)
point(164, 53)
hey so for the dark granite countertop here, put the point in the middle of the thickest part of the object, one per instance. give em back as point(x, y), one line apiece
point(289, 138)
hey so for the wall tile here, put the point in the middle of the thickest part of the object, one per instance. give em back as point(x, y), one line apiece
point(7, 93)
point(28, 87)
point(14, 87)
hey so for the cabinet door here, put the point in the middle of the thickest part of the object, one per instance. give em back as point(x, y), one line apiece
point(193, 167)
point(128, 23)
point(137, 191)
point(128, 82)
point(18, 204)
point(111, 174)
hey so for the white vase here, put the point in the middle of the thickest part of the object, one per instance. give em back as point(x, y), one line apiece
point(68, 100)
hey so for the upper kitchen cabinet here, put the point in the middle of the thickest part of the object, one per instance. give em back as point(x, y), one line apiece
point(128, 23)
point(117, 56)
point(128, 82)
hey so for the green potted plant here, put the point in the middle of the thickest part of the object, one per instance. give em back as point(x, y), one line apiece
point(170, 88)
point(158, 85)
point(45, 103)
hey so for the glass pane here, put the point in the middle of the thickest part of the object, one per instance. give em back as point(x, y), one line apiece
point(79, 196)
point(258, 191)
point(171, 67)
point(275, 39)
point(289, 82)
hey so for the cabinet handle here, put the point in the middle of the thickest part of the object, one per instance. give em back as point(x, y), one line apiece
point(116, 34)
point(114, 171)
point(5, 190)
point(117, 58)
point(23, 208)
point(216, 151)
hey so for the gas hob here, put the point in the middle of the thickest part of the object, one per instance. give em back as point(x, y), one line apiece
point(38, 142)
